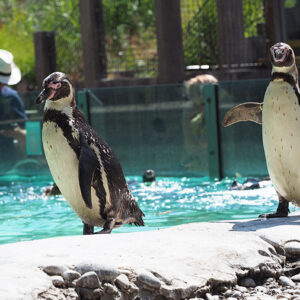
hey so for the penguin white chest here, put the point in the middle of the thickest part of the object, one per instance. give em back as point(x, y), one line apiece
point(63, 164)
point(281, 138)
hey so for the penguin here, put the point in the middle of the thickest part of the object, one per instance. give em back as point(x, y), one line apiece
point(83, 165)
point(279, 115)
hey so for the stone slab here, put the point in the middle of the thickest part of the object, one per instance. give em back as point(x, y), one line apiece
point(193, 254)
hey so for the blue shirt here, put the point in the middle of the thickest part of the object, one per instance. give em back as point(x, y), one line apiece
point(11, 105)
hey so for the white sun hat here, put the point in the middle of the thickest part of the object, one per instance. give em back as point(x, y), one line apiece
point(9, 73)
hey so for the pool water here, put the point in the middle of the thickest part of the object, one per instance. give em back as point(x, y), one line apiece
point(25, 214)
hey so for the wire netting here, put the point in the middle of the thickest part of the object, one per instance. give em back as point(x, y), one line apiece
point(199, 25)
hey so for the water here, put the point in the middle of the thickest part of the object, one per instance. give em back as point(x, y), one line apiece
point(26, 215)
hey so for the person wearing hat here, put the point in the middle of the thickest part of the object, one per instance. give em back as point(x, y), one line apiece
point(10, 74)
point(12, 110)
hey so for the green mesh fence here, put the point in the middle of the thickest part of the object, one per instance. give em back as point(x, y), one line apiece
point(152, 127)
point(199, 25)
point(241, 144)
point(148, 127)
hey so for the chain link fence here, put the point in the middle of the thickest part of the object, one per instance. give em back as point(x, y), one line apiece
point(130, 33)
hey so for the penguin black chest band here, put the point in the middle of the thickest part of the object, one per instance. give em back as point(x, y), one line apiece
point(289, 79)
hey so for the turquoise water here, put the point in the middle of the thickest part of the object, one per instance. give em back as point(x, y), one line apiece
point(25, 214)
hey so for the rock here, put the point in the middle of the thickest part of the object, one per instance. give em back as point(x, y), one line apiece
point(88, 280)
point(89, 294)
point(104, 272)
point(180, 290)
point(211, 297)
point(242, 289)
point(247, 282)
point(285, 281)
point(110, 289)
point(261, 289)
point(58, 281)
point(292, 249)
point(122, 282)
point(55, 270)
point(149, 279)
point(296, 278)
point(69, 276)
point(133, 289)
point(236, 294)
point(228, 293)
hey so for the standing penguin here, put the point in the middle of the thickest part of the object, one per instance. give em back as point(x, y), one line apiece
point(83, 166)
point(279, 115)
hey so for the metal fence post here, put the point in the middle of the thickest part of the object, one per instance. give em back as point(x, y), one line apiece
point(212, 131)
point(33, 138)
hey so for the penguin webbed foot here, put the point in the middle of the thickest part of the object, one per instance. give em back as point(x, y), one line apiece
point(282, 209)
point(107, 227)
point(273, 215)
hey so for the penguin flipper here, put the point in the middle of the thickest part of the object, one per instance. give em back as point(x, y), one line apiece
point(87, 165)
point(249, 111)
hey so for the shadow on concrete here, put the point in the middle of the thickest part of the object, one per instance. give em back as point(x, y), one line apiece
point(257, 224)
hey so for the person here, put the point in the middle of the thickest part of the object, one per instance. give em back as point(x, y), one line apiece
point(193, 122)
point(12, 110)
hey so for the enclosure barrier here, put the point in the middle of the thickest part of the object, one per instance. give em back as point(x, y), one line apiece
point(153, 127)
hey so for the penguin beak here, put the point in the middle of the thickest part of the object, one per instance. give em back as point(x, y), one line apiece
point(279, 53)
point(43, 96)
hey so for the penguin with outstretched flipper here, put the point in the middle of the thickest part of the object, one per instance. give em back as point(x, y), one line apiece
point(279, 115)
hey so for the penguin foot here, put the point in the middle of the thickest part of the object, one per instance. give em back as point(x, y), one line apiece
point(87, 229)
point(273, 215)
point(108, 226)
point(282, 209)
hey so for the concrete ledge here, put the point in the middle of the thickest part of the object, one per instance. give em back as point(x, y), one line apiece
point(193, 256)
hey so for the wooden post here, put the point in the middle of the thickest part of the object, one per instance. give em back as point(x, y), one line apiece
point(93, 41)
point(45, 55)
point(275, 22)
point(169, 41)
point(231, 32)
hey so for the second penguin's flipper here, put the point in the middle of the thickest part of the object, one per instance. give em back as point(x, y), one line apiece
point(87, 165)
point(249, 111)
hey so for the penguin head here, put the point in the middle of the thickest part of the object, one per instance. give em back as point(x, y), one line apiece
point(57, 87)
point(282, 57)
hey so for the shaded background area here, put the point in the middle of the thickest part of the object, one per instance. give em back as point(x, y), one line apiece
point(130, 70)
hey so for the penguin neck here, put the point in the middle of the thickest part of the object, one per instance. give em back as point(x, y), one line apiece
point(64, 106)
point(288, 74)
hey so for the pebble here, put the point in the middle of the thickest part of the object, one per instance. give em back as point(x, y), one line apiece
point(123, 282)
point(55, 270)
point(247, 282)
point(285, 281)
point(110, 289)
point(88, 280)
point(292, 249)
point(104, 272)
point(241, 288)
point(236, 294)
point(89, 294)
point(211, 297)
point(149, 279)
point(70, 276)
point(228, 293)
point(261, 289)
point(58, 281)
point(296, 278)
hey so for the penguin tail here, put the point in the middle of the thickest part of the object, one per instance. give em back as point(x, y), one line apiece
point(136, 214)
